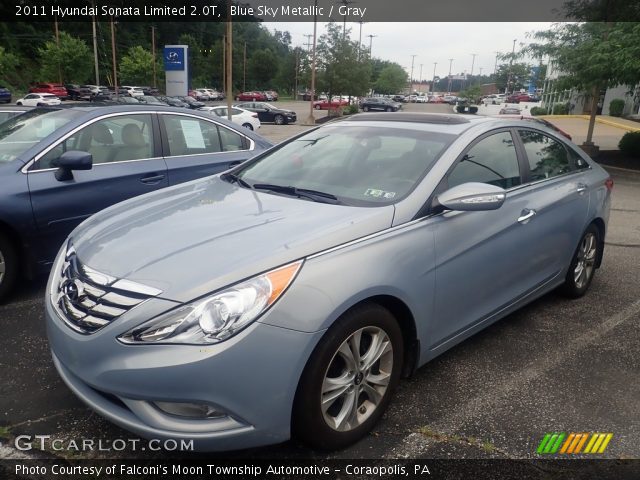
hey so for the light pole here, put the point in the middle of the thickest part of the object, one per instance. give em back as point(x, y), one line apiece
point(371, 37)
point(449, 84)
point(346, 3)
point(413, 57)
point(311, 119)
point(513, 51)
point(433, 82)
point(495, 67)
point(473, 61)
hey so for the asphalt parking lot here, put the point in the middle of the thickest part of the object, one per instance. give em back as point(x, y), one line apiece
point(555, 366)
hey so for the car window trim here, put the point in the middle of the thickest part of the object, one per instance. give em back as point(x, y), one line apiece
point(27, 167)
point(165, 140)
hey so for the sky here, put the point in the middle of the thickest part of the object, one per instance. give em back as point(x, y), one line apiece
point(431, 42)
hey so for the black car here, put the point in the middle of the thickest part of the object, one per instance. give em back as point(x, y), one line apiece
point(150, 100)
point(151, 91)
point(78, 92)
point(5, 94)
point(268, 113)
point(383, 104)
point(173, 101)
point(192, 102)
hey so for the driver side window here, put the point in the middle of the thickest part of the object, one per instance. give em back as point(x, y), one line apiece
point(492, 160)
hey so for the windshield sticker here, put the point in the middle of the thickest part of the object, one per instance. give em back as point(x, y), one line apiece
point(375, 193)
point(192, 133)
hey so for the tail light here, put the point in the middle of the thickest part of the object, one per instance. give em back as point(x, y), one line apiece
point(609, 183)
point(255, 115)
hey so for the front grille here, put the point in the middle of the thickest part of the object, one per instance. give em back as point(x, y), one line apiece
point(89, 300)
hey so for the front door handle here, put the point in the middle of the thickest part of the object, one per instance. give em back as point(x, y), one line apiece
point(526, 215)
point(152, 179)
point(581, 188)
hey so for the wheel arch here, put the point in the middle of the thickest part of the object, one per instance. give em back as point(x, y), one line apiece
point(599, 223)
point(16, 240)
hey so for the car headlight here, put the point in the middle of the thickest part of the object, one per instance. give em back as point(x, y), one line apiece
point(219, 316)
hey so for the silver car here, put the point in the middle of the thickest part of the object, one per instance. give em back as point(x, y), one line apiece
point(289, 295)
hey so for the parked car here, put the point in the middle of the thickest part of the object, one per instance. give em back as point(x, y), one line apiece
point(306, 96)
point(422, 99)
point(213, 94)
point(150, 91)
point(268, 113)
point(379, 103)
point(450, 99)
point(274, 95)
point(510, 111)
point(202, 94)
point(290, 294)
point(78, 92)
point(494, 99)
point(58, 166)
point(192, 102)
point(436, 99)
point(125, 99)
point(5, 95)
point(519, 97)
point(38, 100)
point(52, 88)
point(239, 115)
point(398, 98)
point(326, 104)
point(133, 91)
point(173, 101)
point(250, 96)
point(11, 111)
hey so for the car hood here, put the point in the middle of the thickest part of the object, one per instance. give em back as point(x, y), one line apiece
point(201, 236)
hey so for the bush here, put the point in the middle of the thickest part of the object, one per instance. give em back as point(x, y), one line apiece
point(560, 109)
point(630, 144)
point(538, 111)
point(616, 106)
point(335, 112)
point(351, 109)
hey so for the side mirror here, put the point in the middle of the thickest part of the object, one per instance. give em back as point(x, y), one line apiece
point(472, 196)
point(72, 160)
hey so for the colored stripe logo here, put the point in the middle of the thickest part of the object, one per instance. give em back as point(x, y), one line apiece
point(574, 443)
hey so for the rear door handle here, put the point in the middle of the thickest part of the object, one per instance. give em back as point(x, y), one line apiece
point(526, 215)
point(152, 179)
point(581, 188)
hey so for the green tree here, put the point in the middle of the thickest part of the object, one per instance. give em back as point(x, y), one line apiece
point(70, 60)
point(392, 79)
point(136, 67)
point(520, 73)
point(8, 64)
point(591, 56)
point(261, 69)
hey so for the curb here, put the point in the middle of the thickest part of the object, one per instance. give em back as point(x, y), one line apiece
point(611, 123)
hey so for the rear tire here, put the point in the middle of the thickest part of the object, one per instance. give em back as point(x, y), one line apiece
point(248, 125)
point(365, 109)
point(349, 379)
point(317, 107)
point(8, 266)
point(19, 103)
point(582, 268)
point(389, 109)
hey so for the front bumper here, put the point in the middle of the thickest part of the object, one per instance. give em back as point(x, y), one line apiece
point(251, 378)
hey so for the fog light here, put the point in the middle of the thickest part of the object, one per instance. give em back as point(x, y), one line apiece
point(189, 410)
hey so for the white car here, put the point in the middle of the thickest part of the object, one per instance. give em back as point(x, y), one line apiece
point(213, 94)
point(238, 115)
point(38, 100)
point(422, 99)
point(203, 94)
point(496, 99)
point(133, 91)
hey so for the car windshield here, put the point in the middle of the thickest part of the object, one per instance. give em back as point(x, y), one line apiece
point(360, 166)
point(20, 133)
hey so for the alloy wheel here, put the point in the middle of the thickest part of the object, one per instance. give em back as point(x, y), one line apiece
point(3, 267)
point(357, 378)
point(586, 260)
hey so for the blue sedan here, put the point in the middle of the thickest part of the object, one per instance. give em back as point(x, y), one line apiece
point(58, 166)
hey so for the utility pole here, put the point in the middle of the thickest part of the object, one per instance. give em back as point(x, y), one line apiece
point(224, 64)
point(474, 55)
point(95, 49)
point(433, 82)
point(113, 58)
point(420, 81)
point(229, 59)
point(153, 52)
point(413, 58)
point(308, 44)
point(295, 91)
point(371, 37)
point(346, 3)
point(449, 84)
point(513, 51)
point(360, 37)
point(495, 67)
point(244, 68)
point(55, 27)
point(311, 120)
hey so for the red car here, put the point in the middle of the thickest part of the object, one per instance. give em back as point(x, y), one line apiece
point(251, 97)
point(326, 105)
point(54, 88)
point(519, 97)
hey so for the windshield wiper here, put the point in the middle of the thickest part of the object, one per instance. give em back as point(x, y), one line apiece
point(314, 195)
point(232, 177)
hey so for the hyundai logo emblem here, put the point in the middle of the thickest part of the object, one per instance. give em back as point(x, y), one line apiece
point(173, 57)
point(73, 289)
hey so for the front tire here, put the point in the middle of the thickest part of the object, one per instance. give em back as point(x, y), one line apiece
point(582, 267)
point(365, 109)
point(19, 103)
point(248, 125)
point(8, 266)
point(279, 120)
point(349, 379)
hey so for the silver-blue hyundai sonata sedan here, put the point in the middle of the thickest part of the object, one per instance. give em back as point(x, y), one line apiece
point(288, 296)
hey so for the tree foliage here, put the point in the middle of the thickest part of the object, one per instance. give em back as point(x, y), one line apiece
point(8, 63)
point(69, 60)
point(136, 67)
point(392, 79)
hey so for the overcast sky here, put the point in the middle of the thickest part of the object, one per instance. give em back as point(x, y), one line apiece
point(431, 42)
